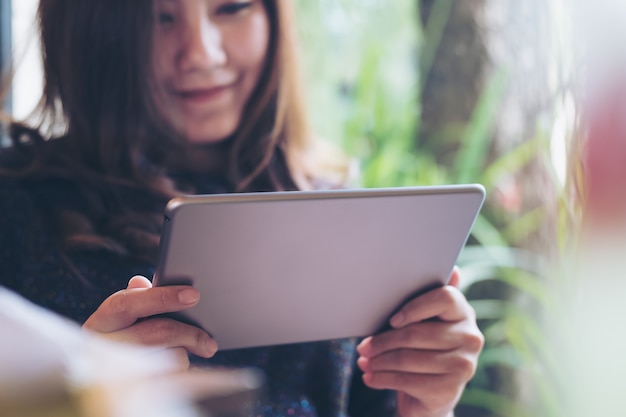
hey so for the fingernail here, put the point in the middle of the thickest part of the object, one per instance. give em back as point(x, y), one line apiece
point(363, 363)
point(397, 320)
point(211, 346)
point(188, 296)
point(364, 347)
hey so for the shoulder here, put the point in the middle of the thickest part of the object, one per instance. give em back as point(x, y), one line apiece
point(21, 197)
point(19, 200)
point(19, 225)
point(13, 158)
point(25, 146)
point(34, 264)
point(20, 147)
point(34, 169)
point(28, 193)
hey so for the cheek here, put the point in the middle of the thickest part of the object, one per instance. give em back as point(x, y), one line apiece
point(162, 73)
point(162, 58)
point(249, 44)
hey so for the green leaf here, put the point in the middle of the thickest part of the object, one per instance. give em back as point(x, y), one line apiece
point(472, 154)
point(529, 284)
point(525, 225)
point(501, 355)
point(513, 160)
point(433, 33)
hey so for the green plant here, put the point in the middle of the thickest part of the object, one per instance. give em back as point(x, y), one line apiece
point(375, 108)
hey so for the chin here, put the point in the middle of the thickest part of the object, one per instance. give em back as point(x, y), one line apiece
point(209, 136)
point(211, 132)
point(206, 140)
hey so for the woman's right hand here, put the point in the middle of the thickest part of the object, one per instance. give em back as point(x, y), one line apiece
point(119, 318)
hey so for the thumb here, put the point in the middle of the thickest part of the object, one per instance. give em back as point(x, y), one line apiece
point(139, 281)
point(455, 277)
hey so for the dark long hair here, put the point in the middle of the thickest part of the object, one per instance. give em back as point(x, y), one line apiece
point(100, 128)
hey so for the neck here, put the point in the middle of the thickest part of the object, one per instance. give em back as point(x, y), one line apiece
point(203, 158)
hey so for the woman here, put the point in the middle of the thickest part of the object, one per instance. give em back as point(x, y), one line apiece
point(145, 100)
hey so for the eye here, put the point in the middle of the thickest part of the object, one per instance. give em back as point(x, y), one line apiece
point(164, 18)
point(233, 8)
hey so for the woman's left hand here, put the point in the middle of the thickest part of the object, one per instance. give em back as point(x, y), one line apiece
point(430, 354)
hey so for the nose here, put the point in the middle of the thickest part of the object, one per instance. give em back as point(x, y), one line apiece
point(202, 47)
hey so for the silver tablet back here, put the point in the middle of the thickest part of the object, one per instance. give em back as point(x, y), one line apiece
point(276, 268)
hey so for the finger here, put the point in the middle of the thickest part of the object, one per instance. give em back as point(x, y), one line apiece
point(431, 335)
point(181, 357)
point(445, 303)
point(404, 360)
point(168, 333)
point(139, 281)
point(421, 362)
point(123, 308)
point(455, 277)
point(433, 391)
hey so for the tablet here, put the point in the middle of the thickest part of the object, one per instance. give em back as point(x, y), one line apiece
point(289, 267)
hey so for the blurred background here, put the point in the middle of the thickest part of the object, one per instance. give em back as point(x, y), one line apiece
point(443, 91)
point(529, 99)
point(505, 93)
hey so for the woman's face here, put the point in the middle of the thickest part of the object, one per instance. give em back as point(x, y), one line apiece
point(207, 59)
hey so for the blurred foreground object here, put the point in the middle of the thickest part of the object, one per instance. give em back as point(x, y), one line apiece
point(602, 106)
point(586, 330)
point(50, 367)
point(586, 327)
point(604, 158)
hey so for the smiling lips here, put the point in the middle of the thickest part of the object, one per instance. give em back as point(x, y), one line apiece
point(201, 95)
